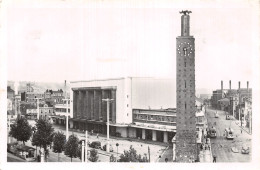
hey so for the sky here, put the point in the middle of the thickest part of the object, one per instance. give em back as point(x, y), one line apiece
point(53, 43)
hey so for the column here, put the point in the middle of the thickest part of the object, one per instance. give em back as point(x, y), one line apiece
point(96, 116)
point(78, 104)
point(154, 135)
point(103, 106)
point(84, 102)
point(74, 104)
point(113, 96)
point(100, 105)
point(143, 133)
point(165, 137)
point(88, 105)
point(91, 96)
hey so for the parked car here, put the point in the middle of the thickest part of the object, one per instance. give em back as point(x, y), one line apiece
point(228, 117)
point(96, 145)
point(104, 148)
point(216, 115)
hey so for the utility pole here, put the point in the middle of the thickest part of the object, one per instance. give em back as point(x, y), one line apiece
point(86, 146)
point(82, 151)
point(108, 101)
point(38, 108)
point(67, 118)
point(8, 130)
point(149, 154)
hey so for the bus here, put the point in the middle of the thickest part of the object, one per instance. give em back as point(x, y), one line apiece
point(229, 133)
point(212, 132)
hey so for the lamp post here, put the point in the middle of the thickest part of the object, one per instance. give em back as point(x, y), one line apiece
point(117, 151)
point(86, 146)
point(38, 108)
point(82, 151)
point(8, 130)
point(108, 101)
point(67, 118)
point(149, 154)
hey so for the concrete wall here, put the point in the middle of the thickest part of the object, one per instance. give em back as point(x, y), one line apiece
point(154, 93)
point(119, 84)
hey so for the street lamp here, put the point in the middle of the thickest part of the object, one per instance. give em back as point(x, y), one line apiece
point(117, 151)
point(38, 109)
point(108, 101)
point(67, 119)
point(8, 130)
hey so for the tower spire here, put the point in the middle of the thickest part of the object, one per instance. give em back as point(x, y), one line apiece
point(185, 23)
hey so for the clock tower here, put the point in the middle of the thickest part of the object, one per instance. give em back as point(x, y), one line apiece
point(186, 147)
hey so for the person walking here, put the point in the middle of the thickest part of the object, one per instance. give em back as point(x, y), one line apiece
point(214, 158)
point(201, 147)
point(97, 135)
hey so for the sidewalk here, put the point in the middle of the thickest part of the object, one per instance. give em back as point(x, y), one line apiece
point(246, 129)
point(205, 156)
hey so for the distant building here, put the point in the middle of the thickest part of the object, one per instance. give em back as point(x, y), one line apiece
point(54, 96)
point(61, 112)
point(138, 110)
point(45, 112)
point(10, 93)
point(205, 96)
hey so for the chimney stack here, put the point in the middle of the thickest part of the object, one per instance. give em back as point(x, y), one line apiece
point(65, 90)
point(247, 85)
point(230, 84)
point(221, 85)
point(239, 85)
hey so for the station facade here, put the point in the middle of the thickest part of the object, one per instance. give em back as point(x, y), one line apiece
point(140, 108)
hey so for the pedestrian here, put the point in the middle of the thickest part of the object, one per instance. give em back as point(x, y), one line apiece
point(214, 158)
point(97, 135)
point(166, 160)
point(241, 131)
point(201, 146)
point(91, 132)
point(209, 147)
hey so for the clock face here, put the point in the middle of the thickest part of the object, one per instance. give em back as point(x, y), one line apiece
point(185, 49)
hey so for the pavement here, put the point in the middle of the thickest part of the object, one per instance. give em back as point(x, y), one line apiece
point(205, 155)
point(13, 158)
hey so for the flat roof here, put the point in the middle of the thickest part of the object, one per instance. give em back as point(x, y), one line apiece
point(118, 78)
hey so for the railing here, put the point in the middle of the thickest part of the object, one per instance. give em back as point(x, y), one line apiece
point(155, 122)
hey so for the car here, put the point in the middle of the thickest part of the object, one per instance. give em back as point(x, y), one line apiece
point(216, 115)
point(104, 148)
point(95, 144)
point(228, 117)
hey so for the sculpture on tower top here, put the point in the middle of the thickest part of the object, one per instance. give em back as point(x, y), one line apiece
point(185, 12)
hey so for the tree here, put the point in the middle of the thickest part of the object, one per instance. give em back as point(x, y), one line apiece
point(43, 135)
point(112, 158)
point(59, 140)
point(21, 130)
point(71, 147)
point(93, 157)
point(132, 156)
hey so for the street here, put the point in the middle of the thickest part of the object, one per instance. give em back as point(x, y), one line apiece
point(221, 147)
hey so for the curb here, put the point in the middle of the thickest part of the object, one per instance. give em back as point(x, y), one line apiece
point(237, 123)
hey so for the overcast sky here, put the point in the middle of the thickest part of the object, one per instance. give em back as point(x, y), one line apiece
point(57, 44)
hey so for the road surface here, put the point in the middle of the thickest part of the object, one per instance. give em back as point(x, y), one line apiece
point(221, 147)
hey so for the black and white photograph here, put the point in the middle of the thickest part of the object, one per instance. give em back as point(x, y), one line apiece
point(143, 82)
